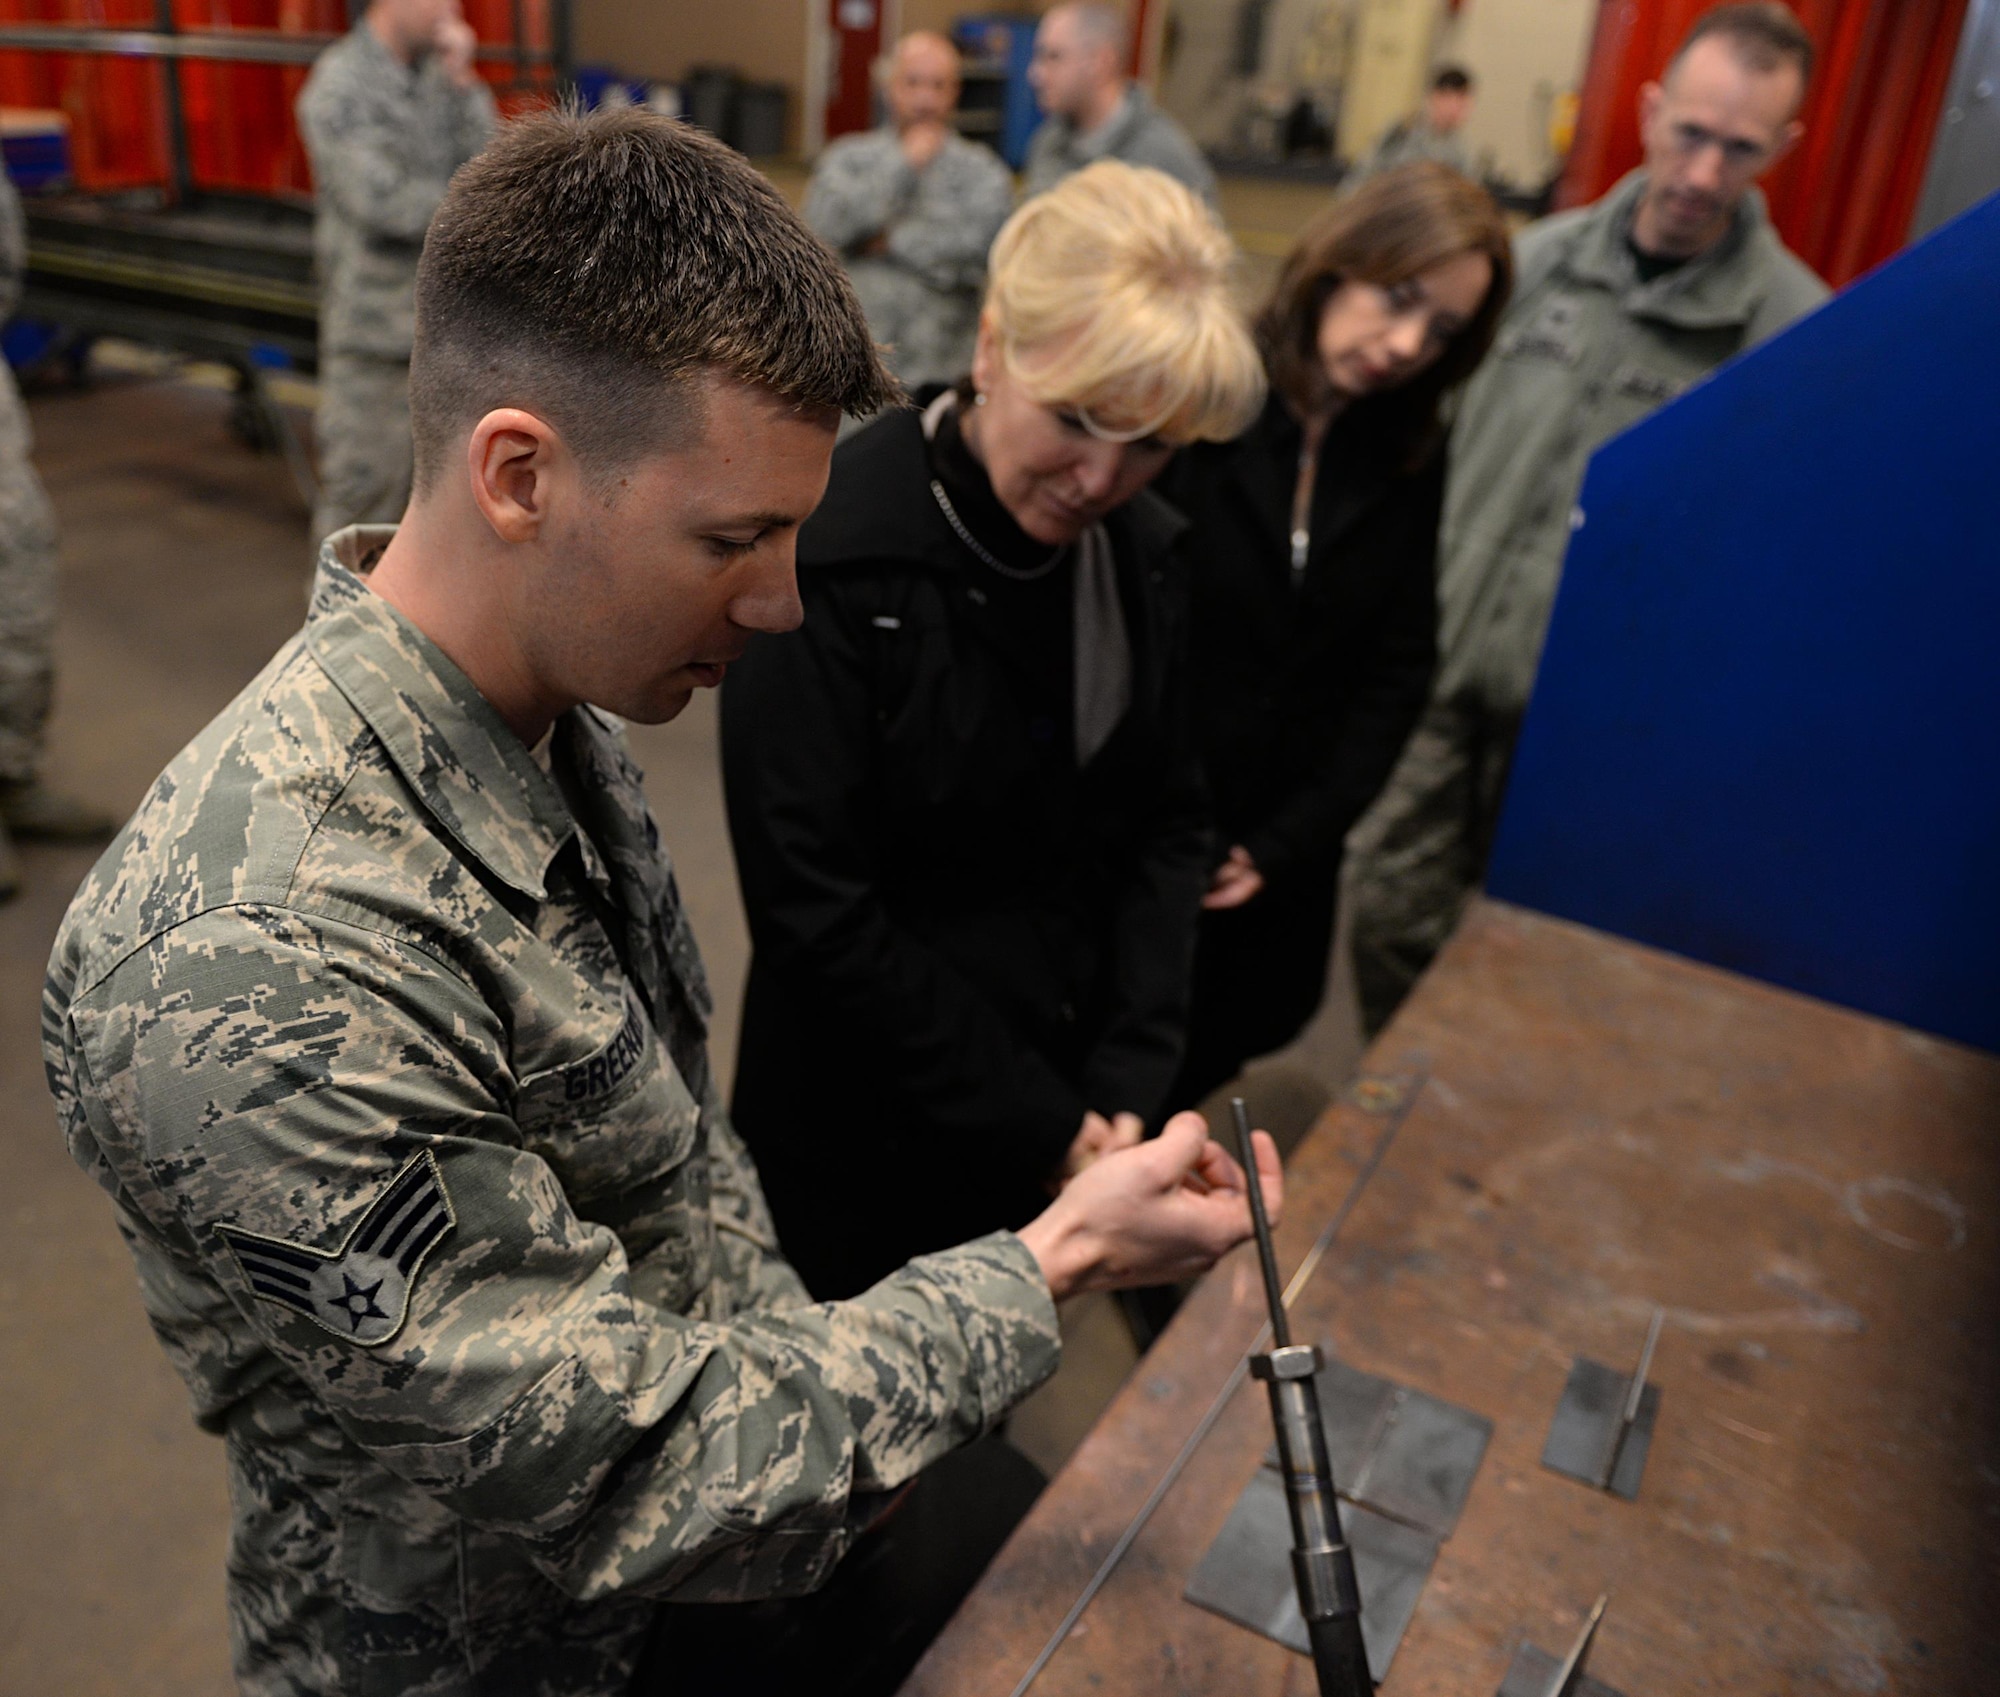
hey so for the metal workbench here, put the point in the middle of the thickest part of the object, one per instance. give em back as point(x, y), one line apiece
point(1561, 1130)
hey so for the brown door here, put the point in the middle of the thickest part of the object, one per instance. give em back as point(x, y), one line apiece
point(856, 33)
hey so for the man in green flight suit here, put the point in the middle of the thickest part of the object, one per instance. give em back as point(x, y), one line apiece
point(382, 1026)
point(1617, 308)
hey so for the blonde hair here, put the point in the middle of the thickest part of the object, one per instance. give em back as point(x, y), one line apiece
point(1110, 294)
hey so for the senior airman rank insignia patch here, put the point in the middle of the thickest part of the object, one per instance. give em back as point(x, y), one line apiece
point(361, 1292)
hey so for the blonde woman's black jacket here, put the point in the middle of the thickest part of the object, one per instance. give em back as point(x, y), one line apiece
point(961, 943)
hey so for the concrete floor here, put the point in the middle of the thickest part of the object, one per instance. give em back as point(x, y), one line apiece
point(184, 567)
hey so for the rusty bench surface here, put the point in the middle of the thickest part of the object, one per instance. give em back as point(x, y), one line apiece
point(1576, 1129)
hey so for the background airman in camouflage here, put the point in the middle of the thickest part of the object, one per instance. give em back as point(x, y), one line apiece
point(388, 113)
point(382, 1027)
point(911, 208)
point(28, 808)
point(1436, 131)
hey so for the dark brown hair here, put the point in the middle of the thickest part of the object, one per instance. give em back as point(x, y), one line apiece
point(1393, 226)
point(586, 266)
point(1763, 33)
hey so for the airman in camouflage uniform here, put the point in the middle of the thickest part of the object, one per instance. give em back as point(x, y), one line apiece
point(1436, 132)
point(382, 1027)
point(911, 208)
point(384, 134)
point(1093, 110)
point(388, 1046)
point(27, 603)
point(1599, 334)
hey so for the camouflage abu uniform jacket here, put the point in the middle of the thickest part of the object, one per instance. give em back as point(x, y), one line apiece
point(1138, 133)
point(384, 138)
point(389, 1051)
point(921, 291)
point(27, 540)
point(1585, 350)
point(1406, 143)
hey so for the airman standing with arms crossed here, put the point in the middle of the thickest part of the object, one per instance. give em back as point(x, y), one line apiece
point(388, 113)
point(911, 208)
point(1617, 307)
point(383, 1028)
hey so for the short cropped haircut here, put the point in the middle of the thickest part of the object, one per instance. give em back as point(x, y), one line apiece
point(1110, 294)
point(1452, 79)
point(1396, 224)
point(588, 267)
point(1763, 34)
point(1100, 24)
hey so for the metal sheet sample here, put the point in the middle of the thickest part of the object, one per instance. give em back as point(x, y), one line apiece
point(1246, 1575)
point(1586, 1426)
point(1532, 1673)
point(1398, 1450)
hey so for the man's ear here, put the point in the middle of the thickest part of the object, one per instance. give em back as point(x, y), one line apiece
point(985, 356)
point(1788, 138)
point(513, 460)
point(1650, 96)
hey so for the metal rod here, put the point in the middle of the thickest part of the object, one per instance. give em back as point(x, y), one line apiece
point(1633, 1393)
point(1322, 1562)
point(561, 45)
point(1267, 1254)
point(1569, 1677)
point(180, 168)
point(245, 46)
point(1175, 1468)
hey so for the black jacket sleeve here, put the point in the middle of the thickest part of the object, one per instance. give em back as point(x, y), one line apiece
point(1158, 909)
point(1396, 658)
point(797, 735)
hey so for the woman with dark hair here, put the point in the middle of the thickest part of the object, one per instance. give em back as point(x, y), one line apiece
point(1314, 542)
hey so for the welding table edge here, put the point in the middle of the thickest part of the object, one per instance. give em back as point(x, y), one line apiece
point(1208, 1342)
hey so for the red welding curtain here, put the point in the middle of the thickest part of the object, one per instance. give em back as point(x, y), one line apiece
point(241, 133)
point(1844, 197)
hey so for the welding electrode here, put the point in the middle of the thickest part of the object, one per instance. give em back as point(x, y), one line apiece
point(1322, 1564)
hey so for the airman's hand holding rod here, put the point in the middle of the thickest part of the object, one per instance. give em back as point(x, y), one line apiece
point(1150, 1214)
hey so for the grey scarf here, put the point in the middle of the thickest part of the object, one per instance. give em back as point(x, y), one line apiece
point(1101, 648)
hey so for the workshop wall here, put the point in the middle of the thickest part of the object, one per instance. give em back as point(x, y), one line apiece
point(1528, 57)
point(665, 39)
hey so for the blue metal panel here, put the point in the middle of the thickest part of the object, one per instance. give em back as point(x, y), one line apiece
point(1766, 732)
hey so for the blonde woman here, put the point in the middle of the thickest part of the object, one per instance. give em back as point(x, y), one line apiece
point(966, 807)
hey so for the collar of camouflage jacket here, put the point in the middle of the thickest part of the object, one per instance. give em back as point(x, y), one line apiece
point(374, 47)
point(1104, 141)
point(451, 747)
point(1719, 289)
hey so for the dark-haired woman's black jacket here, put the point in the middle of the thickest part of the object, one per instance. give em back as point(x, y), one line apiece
point(1304, 696)
point(961, 943)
